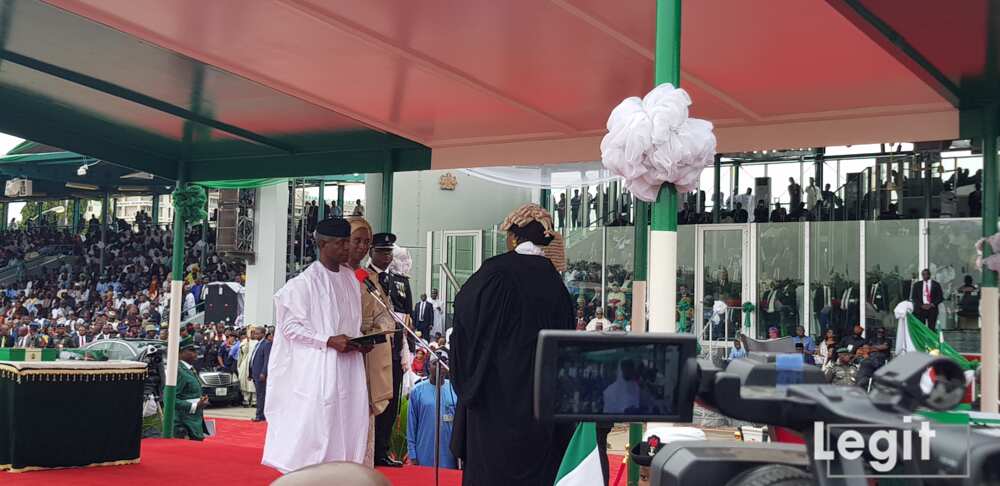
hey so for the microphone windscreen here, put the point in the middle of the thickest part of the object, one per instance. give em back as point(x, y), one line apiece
point(361, 274)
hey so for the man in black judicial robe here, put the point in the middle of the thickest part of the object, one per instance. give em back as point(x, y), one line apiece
point(498, 314)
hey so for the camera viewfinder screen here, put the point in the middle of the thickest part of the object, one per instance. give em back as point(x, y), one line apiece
point(617, 379)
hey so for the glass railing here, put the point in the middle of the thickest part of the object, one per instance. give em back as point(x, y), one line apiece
point(819, 275)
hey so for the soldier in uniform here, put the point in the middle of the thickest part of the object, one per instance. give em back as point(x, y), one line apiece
point(398, 289)
point(61, 339)
point(189, 419)
point(843, 372)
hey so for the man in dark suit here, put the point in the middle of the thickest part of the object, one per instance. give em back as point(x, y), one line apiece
point(423, 316)
point(926, 296)
point(6, 338)
point(258, 370)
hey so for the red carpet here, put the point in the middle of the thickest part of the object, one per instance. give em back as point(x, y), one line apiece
point(231, 457)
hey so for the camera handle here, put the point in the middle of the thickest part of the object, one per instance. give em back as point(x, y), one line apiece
point(799, 407)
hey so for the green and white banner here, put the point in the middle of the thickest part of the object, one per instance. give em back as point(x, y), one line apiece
point(581, 466)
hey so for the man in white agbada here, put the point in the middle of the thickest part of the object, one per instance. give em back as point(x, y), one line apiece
point(247, 347)
point(317, 394)
point(438, 304)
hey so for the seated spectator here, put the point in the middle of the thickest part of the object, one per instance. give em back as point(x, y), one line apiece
point(737, 350)
point(581, 321)
point(772, 333)
point(418, 362)
point(620, 323)
point(843, 372)
point(739, 214)
point(808, 346)
point(760, 212)
point(778, 215)
point(824, 351)
point(598, 323)
point(853, 342)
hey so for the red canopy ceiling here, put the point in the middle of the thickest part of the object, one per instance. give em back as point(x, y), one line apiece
point(484, 82)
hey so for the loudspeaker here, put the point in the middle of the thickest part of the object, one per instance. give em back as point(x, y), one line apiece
point(234, 224)
point(224, 303)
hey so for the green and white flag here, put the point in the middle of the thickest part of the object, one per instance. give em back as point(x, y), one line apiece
point(581, 466)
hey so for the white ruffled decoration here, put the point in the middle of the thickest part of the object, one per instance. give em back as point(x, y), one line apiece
point(993, 261)
point(718, 309)
point(903, 342)
point(651, 141)
point(402, 263)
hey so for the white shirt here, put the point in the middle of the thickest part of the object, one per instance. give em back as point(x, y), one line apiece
point(604, 323)
point(317, 400)
point(189, 302)
point(812, 195)
point(771, 300)
point(926, 292)
point(528, 248)
point(743, 199)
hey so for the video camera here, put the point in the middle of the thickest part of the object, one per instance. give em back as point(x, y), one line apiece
point(850, 436)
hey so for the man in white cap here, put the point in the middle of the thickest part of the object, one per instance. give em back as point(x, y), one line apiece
point(317, 397)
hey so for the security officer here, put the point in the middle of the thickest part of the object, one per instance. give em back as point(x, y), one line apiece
point(398, 288)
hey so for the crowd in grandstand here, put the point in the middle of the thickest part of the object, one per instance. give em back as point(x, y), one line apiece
point(118, 288)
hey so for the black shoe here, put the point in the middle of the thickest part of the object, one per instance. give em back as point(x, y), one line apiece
point(386, 462)
point(255, 419)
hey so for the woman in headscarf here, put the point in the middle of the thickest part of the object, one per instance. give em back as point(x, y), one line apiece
point(498, 314)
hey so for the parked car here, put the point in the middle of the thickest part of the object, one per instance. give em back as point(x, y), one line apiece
point(221, 387)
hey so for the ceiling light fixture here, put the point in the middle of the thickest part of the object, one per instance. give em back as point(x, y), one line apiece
point(85, 187)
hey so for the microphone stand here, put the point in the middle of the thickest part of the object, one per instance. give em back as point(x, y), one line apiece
point(375, 292)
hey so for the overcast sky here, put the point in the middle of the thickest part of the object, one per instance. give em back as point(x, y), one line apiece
point(8, 142)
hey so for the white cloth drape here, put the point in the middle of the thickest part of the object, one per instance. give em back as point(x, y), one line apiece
point(903, 342)
point(555, 177)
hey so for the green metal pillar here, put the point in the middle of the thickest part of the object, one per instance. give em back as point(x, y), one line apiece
point(204, 237)
point(719, 197)
point(989, 303)
point(321, 208)
point(156, 210)
point(177, 267)
point(545, 199)
point(3, 220)
point(176, 299)
point(76, 215)
point(927, 164)
point(736, 183)
point(387, 176)
point(638, 309)
point(114, 209)
point(104, 228)
point(663, 237)
point(340, 199)
point(662, 259)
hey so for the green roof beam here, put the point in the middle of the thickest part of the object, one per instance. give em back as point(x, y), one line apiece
point(895, 44)
point(139, 98)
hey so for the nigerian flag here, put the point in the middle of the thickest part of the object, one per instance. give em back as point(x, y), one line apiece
point(913, 335)
point(581, 466)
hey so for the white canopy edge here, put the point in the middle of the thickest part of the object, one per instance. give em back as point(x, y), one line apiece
point(909, 127)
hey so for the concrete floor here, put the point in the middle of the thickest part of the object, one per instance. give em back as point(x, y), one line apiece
point(239, 413)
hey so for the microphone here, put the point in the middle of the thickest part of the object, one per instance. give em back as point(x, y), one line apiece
point(362, 275)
